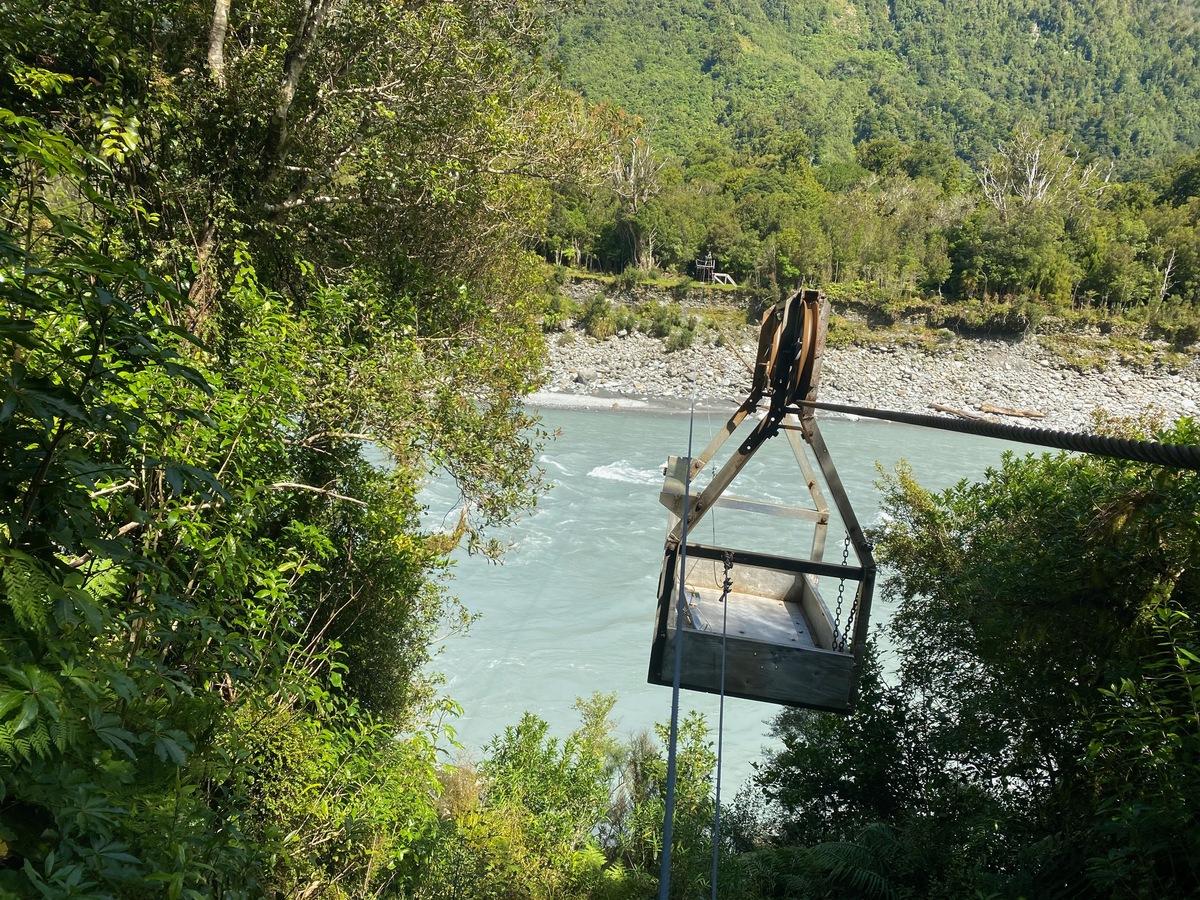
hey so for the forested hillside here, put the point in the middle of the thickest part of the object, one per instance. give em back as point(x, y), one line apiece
point(993, 164)
point(1118, 78)
point(239, 242)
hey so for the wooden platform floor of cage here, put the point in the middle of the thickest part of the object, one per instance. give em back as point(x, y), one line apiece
point(770, 650)
point(763, 619)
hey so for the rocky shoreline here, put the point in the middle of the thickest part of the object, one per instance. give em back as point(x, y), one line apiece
point(632, 371)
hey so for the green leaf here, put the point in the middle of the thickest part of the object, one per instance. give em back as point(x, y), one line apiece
point(108, 728)
point(9, 701)
point(167, 748)
point(29, 711)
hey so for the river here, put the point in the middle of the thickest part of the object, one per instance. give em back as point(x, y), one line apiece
point(570, 611)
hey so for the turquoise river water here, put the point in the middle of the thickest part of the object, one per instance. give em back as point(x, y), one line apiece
point(570, 611)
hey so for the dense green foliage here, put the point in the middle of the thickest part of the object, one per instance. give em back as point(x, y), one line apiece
point(242, 244)
point(1030, 231)
point(1039, 736)
point(215, 613)
point(815, 79)
point(982, 167)
point(579, 818)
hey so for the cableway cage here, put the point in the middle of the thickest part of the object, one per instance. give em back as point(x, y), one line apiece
point(766, 616)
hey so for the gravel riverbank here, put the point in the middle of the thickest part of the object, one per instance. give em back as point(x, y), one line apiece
point(632, 371)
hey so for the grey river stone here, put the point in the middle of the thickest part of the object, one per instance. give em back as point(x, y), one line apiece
point(966, 375)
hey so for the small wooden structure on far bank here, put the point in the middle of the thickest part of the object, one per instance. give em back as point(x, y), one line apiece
point(706, 271)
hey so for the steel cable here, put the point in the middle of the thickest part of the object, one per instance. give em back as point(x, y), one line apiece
point(1176, 456)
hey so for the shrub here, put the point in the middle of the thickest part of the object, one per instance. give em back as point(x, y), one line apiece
point(557, 313)
point(630, 278)
point(659, 318)
point(602, 328)
point(597, 318)
point(846, 332)
point(679, 339)
point(625, 318)
point(1186, 335)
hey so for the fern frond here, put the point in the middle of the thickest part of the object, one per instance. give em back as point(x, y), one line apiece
point(15, 745)
point(8, 738)
point(855, 866)
point(63, 734)
point(39, 739)
point(27, 591)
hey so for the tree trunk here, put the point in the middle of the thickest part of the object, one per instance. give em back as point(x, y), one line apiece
point(293, 70)
point(216, 42)
point(202, 297)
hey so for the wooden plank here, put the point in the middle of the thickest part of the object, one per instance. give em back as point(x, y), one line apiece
point(1008, 411)
point(816, 614)
point(674, 485)
point(771, 509)
point(748, 616)
point(961, 413)
point(769, 583)
point(814, 678)
point(810, 477)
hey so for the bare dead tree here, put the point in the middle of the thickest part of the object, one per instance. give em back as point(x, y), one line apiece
point(634, 179)
point(1032, 169)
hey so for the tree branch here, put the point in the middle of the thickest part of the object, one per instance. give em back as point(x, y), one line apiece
point(83, 560)
point(115, 489)
point(298, 202)
point(297, 486)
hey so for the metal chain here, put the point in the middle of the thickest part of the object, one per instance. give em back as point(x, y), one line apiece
point(850, 621)
point(839, 643)
point(727, 586)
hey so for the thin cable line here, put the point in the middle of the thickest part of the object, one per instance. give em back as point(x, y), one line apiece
point(664, 873)
point(720, 737)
